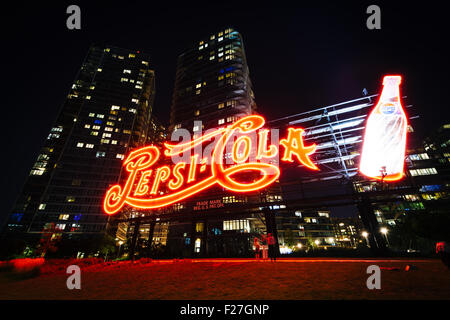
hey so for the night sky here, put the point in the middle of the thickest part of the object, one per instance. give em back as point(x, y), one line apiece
point(300, 57)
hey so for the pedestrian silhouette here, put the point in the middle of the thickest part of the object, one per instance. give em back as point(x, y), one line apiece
point(257, 247)
point(272, 251)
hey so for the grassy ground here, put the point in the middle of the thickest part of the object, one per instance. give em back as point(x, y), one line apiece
point(235, 279)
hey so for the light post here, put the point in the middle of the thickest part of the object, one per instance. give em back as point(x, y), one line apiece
point(120, 245)
point(384, 231)
point(366, 235)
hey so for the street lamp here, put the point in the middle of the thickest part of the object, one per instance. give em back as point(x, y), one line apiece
point(384, 231)
point(365, 234)
point(120, 245)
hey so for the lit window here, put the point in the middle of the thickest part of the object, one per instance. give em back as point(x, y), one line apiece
point(80, 144)
point(99, 69)
point(197, 245)
point(100, 154)
point(240, 225)
point(42, 206)
point(94, 133)
point(231, 103)
point(420, 156)
point(53, 135)
point(101, 116)
point(423, 172)
point(220, 106)
point(64, 217)
point(70, 199)
point(91, 114)
point(221, 121)
point(37, 172)
point(89, 146)
point(87, 126)
point(120, 156)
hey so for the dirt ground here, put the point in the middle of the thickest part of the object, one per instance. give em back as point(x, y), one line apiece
point(287, 279)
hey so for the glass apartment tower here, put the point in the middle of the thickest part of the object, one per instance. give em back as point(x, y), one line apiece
point(106, 113)
point(212, 86)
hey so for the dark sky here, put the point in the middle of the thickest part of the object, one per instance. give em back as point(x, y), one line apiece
point(300, 57)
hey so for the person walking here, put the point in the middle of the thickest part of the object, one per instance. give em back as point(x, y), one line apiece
point(272, 251)
point(257, 247)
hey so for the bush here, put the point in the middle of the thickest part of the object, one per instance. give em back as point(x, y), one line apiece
point(26, 268)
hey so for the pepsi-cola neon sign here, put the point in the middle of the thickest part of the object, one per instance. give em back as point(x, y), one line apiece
point(145, 181)
point(149, 186)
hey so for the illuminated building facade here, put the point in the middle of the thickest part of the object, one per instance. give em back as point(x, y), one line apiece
point(212, 84)
point(307, 229)
point(347, 232)
point(106, 113)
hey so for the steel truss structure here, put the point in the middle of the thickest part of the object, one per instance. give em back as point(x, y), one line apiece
point(337, 130)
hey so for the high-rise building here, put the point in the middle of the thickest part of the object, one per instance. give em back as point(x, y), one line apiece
point(212, 85)
point(213, 89)
point(106, 113)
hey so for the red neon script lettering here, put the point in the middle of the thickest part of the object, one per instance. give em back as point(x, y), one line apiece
point(139, 162)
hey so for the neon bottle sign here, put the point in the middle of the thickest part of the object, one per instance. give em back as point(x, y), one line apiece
point(142, 188)
point(383, 153)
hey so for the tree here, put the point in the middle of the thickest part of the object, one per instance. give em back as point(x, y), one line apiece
point(289, 238)
point(49, 239)
point(106, 245)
